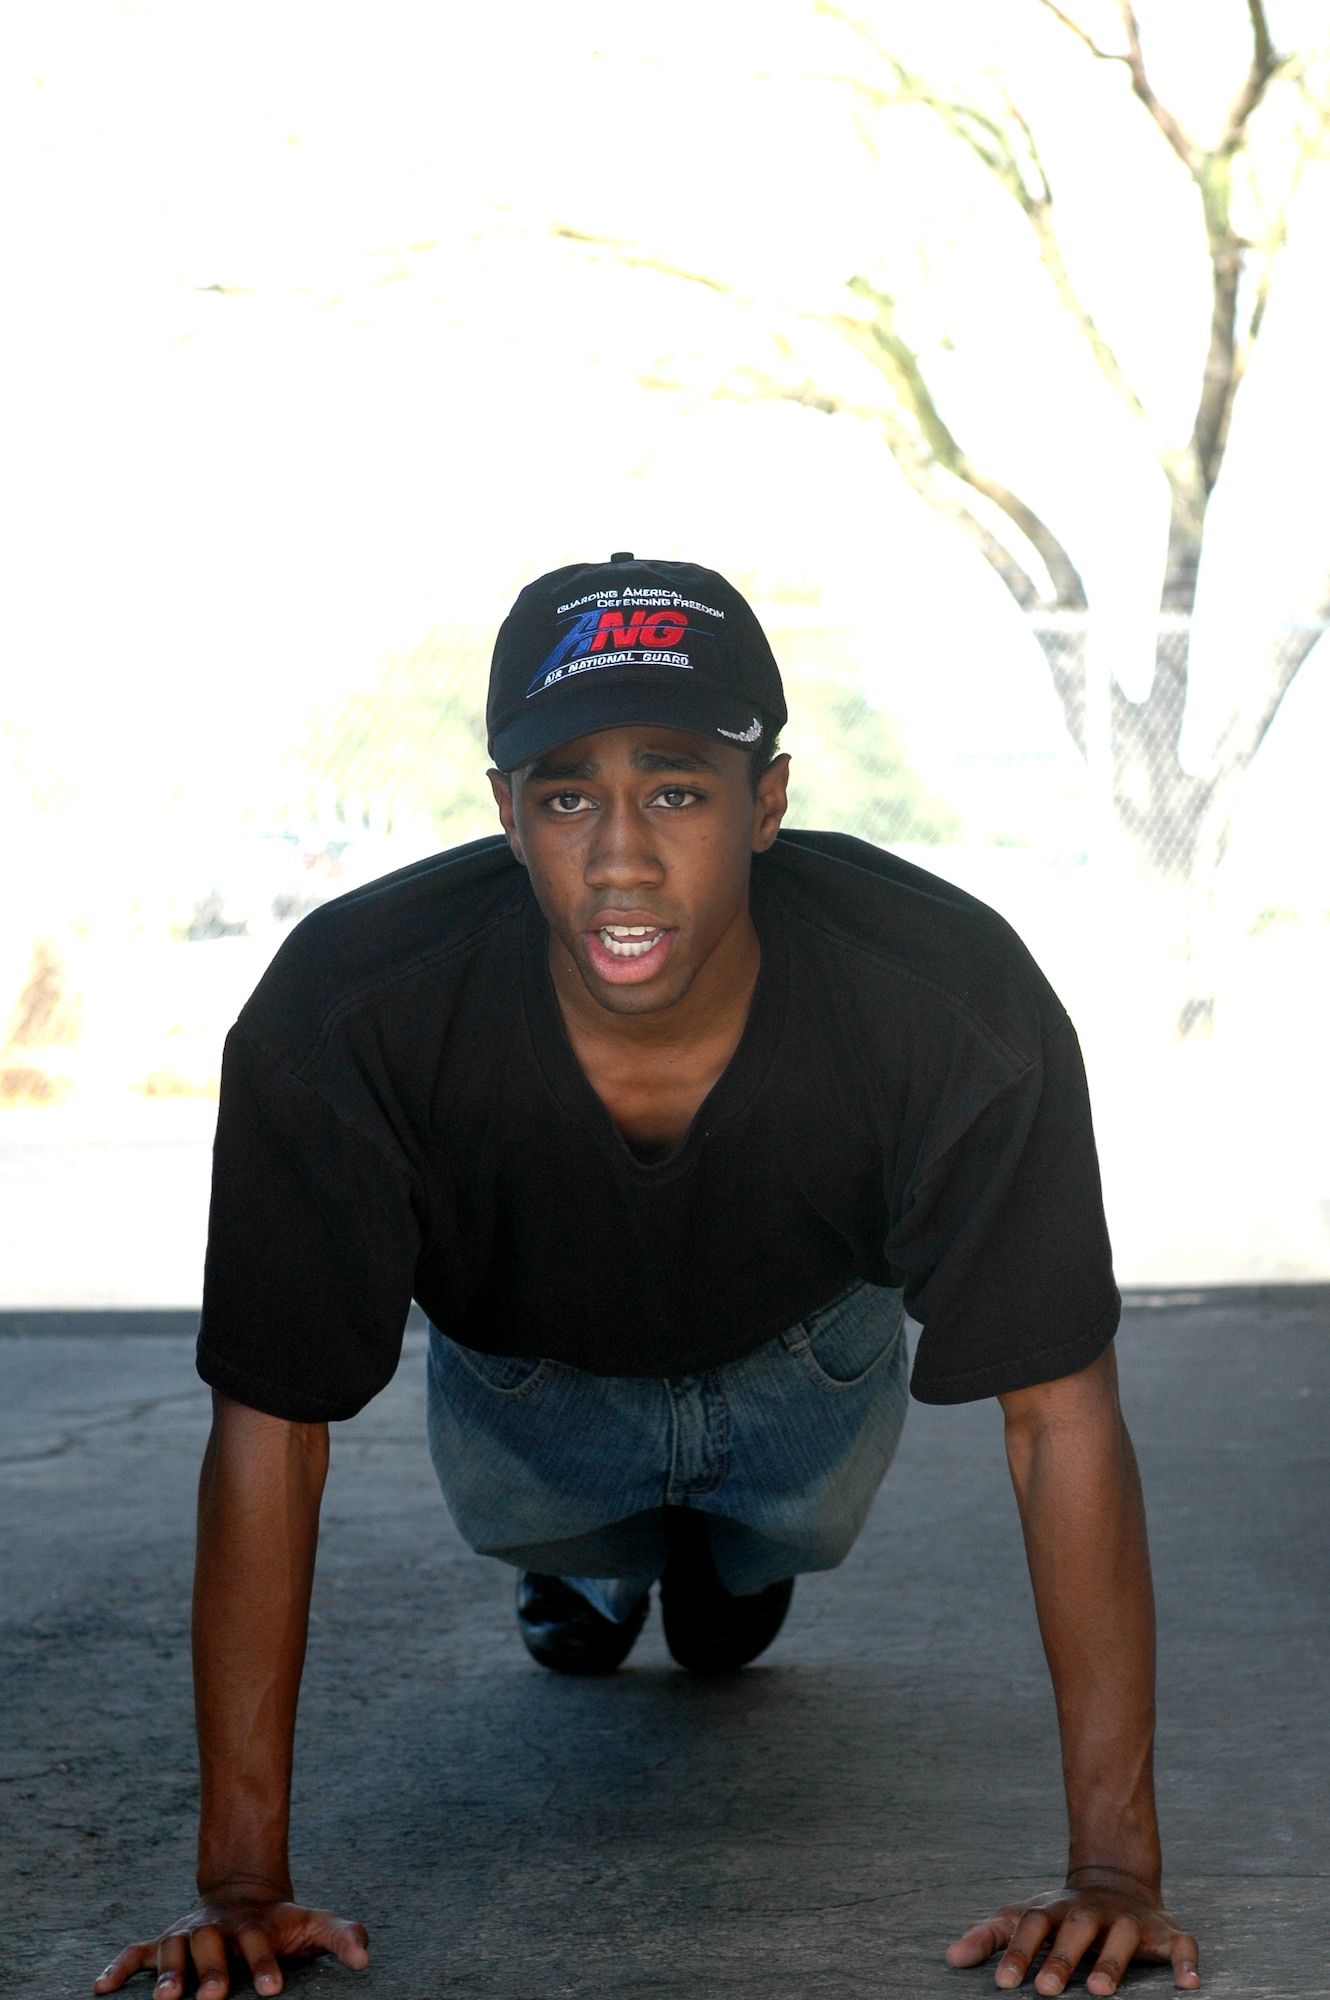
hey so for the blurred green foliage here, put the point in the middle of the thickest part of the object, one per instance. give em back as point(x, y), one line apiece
point(851, 773)
point(412, 745)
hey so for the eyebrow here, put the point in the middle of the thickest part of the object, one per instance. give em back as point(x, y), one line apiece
point(670, 760)
point(547, 770)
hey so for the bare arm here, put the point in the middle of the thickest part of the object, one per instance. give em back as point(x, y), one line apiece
point(1079, 1495)
point(260, 1490)
point(259, 1496)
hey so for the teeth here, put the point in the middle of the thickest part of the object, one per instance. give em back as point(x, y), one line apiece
point(629, 940)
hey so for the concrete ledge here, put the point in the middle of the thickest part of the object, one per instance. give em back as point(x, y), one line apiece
point(1313, 1294)
point(42, 1320)
point(183, 1322)
point(178, 1322)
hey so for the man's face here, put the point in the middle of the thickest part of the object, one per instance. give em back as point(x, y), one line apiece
point(638, 842)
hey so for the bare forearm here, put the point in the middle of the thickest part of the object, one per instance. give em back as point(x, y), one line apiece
point(1079, 1494)
point(259, 1496)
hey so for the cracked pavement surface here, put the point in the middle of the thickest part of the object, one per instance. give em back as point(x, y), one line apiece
point(821, 1824)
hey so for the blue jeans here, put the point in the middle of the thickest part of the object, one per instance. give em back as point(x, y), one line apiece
point(567, 1473)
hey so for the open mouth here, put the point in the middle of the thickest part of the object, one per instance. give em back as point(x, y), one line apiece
point(628, 951)
point(629, 940)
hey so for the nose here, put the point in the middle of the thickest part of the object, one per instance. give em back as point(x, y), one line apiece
point(622, 853)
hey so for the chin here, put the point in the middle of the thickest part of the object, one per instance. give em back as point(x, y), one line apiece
point(649, 996)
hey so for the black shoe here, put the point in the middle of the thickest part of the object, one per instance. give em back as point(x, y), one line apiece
point(706, 1629)
point(565, 1633)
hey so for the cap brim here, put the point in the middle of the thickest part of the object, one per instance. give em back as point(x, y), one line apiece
point(664, 699)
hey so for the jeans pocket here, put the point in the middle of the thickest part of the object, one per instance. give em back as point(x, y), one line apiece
point(505, 1374)
point(842, 1343)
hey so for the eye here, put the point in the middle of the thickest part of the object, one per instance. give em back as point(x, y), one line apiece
point(566, 803)
point(674, 797)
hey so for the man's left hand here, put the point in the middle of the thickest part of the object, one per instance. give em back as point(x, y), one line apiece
point(1120, 1918)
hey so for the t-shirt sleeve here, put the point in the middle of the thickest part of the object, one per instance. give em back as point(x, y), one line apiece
point(312, 1248)
point(1003, 1249)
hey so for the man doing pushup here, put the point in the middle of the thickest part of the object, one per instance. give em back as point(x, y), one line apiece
point(666, 1118)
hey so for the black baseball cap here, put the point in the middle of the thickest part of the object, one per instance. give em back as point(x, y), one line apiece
point(596, 645)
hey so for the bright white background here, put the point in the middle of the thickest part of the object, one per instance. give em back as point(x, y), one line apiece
point(297, 368)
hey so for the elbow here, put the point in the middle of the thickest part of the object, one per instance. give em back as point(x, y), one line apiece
point(1085, 1400)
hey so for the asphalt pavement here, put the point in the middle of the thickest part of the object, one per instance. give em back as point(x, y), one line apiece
point(821, 1824)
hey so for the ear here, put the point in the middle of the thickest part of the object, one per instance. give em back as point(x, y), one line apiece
point(771, 802)
point(502, 788)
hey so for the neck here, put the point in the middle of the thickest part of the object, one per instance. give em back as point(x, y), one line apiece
point(652, 1071)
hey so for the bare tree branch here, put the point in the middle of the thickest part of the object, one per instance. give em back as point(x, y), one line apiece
point(925, 449)
point(1183, 145)
point(1104, 55)
point(926, 475)
point(880, 342)
point(1040, 216)
point(1313, 145)
point(1227, 356)
point(1192, 476)
point(1174, 818)
point(1260, 27)
point(1009, 152)
point(860, 27)
point(624, 250)
point(985, 138)
point(1250, 722)
point(1265, 64)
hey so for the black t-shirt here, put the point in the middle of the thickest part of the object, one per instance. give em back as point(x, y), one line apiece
point(402, 1116)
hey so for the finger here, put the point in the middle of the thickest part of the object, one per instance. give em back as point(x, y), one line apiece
point(1026, 1939)
point(256, 1947)
point(982, 1940)
point(307, 1933)
point(1163, 1943)
point(1186, 1958)
point(1076, 1933)
point(170, 1969)
point(1115, 1955)
point(131, 1960)
point(207, 1948)
point(350, 1942)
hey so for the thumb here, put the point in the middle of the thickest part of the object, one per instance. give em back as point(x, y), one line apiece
point(349, 1943)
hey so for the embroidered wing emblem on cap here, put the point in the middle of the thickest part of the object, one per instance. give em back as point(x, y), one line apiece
point(749, 735)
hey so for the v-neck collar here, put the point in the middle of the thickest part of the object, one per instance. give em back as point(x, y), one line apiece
point(733, 1089)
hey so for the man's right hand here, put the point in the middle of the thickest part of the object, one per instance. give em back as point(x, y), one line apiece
point(234, 1925)
point(259, 1495)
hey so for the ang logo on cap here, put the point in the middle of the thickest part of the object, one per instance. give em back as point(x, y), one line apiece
point(623, 634)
